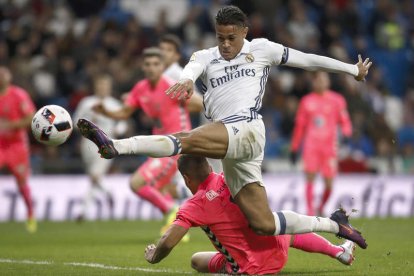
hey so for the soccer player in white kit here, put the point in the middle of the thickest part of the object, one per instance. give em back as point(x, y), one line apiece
point(95, 166)
point(170, 46)
point(234, 76)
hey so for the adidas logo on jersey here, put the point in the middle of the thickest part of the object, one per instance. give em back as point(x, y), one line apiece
point(214, 61)
point(211, 195)
point(235, 130)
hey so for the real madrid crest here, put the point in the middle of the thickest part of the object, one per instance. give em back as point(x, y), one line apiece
point(249, 58)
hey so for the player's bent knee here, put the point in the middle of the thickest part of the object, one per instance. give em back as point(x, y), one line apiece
point(189, 141)
point(136, 182)
point(197, 262)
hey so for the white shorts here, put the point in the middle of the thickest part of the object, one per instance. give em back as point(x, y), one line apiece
point(94, 164)
point(242, 164)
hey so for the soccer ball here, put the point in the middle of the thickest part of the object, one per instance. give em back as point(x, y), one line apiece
point(52, 125)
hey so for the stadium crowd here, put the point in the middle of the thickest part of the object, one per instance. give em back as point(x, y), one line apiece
point(55, 48)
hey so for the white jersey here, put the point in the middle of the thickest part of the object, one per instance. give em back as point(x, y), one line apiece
point(110, 126)
point(174, 71)
point(233, 90)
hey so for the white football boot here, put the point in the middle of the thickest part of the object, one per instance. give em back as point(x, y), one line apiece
point(347, 256)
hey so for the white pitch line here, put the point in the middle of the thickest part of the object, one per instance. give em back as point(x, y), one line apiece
point(112, 267)
point(25, 262)
point(93, 265)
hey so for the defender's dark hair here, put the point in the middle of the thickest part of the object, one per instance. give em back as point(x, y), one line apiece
point(172, 39)
point(152, 52)
point(195, 166)
point(231, 15)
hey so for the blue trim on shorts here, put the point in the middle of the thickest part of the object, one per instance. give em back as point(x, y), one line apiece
point(235, 118)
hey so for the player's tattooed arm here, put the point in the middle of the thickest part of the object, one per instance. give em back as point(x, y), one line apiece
point(155, 253)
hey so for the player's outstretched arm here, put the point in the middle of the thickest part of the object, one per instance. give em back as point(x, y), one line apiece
point(155, 253)
point(313, 62)
point(184, 88)
point(121, 114)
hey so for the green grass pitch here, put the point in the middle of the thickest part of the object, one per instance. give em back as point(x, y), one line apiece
point(116, 248)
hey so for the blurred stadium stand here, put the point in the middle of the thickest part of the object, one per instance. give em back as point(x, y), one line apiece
point(55, 47)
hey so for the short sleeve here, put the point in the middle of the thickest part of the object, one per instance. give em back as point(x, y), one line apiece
point(132, 98)
point(190, 214)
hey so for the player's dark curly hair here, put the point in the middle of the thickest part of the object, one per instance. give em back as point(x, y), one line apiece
point(231, 15)
point(195, 166)
point(172, 39)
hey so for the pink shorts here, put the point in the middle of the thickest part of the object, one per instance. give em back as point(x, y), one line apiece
point(219, 264)
point(319, 160)
point(16, 158)
point(159, 172)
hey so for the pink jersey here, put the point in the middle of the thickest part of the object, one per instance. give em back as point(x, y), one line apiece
point(170, 115)
point(212, 206)
point(15, 104)
point(318, 118)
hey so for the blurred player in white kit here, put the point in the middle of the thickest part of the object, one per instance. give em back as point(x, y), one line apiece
point(170, 46)
point(95, 166)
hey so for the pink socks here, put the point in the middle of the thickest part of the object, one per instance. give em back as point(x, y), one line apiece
point(157, 199)
point(25, 192)
point(314, 243)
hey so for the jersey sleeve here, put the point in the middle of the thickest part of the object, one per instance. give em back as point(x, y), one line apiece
point(274, 52)
point(27, 106)
point(196, 66)
point(191, 214)
point(132, 98)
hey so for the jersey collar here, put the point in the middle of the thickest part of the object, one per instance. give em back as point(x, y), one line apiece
point(203, 185)
point(244, 50)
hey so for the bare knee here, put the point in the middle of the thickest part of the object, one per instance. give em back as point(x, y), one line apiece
point(189, 141)
point(136, 182)
point(328, 183)
point(198, 262)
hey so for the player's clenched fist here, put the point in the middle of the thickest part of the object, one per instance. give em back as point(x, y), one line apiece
point(149, 253)
point(183, 89)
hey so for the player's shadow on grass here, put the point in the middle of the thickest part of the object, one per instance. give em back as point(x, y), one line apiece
point(313, 272)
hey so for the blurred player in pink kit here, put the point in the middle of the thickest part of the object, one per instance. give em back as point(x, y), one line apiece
point(317, 120)
point(168, 115)
point(240, 250)
point(16, 112)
